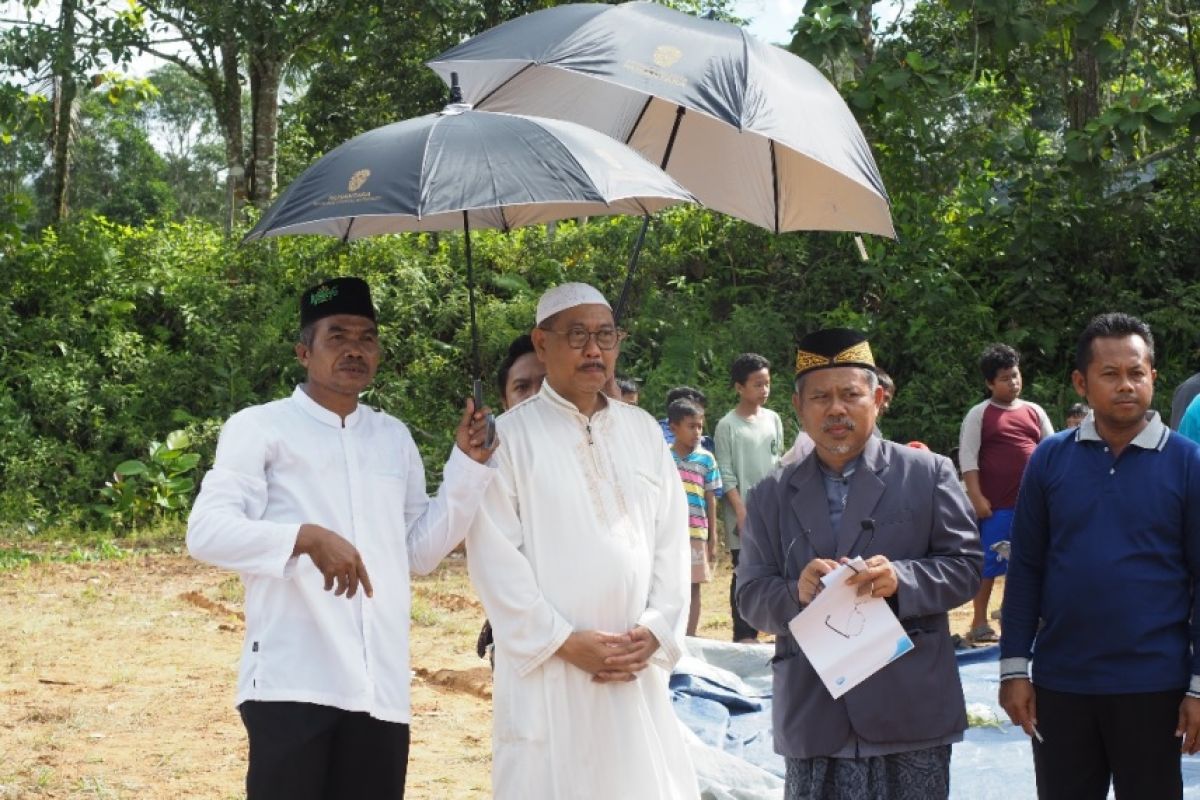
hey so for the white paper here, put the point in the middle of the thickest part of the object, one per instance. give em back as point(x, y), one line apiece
point(848, 638)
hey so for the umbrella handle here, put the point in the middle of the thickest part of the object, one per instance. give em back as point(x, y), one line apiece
point(489, 439)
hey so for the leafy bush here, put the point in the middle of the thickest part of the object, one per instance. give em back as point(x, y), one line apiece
point(114, 336)
point(143, 491)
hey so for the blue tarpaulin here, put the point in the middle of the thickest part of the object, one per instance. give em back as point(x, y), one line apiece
point(722, 694)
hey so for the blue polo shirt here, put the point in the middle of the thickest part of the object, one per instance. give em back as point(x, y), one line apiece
point(1107, 552)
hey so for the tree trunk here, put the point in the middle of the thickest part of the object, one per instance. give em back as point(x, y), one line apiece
point(229, 111)
point(1083, 88)
point(266, 70)
point(64, 100)
point(866, 55)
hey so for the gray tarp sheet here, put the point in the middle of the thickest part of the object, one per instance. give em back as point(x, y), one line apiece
point(722, 694)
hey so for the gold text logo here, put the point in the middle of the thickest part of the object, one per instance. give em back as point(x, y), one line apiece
point(358, 179)
point(665, 55)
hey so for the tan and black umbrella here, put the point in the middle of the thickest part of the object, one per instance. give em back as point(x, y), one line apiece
point(750, 129)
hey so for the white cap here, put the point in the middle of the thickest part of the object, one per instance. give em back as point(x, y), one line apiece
point(568, 295)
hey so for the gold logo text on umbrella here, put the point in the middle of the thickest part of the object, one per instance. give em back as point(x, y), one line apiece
point(665, 55)
point(358, 179)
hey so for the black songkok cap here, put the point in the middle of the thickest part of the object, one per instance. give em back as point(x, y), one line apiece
point(833, 347)
point(336, 296)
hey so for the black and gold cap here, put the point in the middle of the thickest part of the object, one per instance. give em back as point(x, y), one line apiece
point(833, 347)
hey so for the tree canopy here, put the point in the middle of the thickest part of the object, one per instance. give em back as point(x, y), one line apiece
point(1041, 158)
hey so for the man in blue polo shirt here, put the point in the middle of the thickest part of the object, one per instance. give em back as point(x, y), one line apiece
point(1106, 554)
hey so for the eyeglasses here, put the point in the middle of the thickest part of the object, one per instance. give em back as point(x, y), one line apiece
point(578, 338)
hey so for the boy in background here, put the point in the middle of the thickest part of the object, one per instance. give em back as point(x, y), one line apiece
point(701, 482)
point(630, 391)
point(699, 398)
point(998, 436)
point(1076, 414)
point(749, 443)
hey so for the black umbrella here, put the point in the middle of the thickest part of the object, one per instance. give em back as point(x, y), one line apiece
point(751, 130)
point(464, 169)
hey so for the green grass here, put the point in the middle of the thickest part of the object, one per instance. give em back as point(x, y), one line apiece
point(23, 546)
point(14, 558)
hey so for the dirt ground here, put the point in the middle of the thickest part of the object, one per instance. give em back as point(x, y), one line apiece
point(117, 680)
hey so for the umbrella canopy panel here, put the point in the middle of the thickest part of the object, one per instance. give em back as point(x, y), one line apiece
point(504, 171)
point(765, 136)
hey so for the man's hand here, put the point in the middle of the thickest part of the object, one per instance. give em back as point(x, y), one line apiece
point(1188, 729)
point(633, 659)
point(589, 649)
point(471, 432)
point(878, 579)
point(983, 509)
point(1017, 700)
point(740, 512)
point(711, 548)
point(338, 560)
point(810, 579)
point(980, 504)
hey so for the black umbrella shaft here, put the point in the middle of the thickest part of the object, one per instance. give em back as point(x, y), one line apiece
point(641, 237)
point(471, 297)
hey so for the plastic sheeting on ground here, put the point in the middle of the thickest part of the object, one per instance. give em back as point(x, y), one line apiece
point(722, 694)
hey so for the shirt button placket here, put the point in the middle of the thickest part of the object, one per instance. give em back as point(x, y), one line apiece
point(357, 493)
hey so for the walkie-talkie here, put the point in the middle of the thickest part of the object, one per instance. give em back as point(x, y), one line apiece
point(489, 439)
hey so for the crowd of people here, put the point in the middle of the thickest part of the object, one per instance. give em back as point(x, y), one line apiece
point(589, 539)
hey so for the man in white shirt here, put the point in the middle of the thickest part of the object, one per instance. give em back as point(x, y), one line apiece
point(580, 554)
point(306, 495)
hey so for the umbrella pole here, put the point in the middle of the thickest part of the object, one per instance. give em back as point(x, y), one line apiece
point(475, 367)
point(641, 237)
point(489, 440)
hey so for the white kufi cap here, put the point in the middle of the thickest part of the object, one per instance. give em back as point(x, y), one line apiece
point(568, 295)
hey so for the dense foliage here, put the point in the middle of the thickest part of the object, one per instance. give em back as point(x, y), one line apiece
point(1042, 164)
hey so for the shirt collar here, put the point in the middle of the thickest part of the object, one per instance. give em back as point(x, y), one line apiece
point(547, 391)
point(322, 414)
point(846, 472)
point(1152, 437)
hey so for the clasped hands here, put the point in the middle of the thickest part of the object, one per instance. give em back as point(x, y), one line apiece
point(610, 657)
point(877, 580)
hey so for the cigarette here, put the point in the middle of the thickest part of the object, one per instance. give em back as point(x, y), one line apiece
point(1037, 735)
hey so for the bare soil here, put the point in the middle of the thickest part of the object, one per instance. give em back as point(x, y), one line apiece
point(117, 680)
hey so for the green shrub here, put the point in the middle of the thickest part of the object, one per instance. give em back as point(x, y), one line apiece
point(114, 336)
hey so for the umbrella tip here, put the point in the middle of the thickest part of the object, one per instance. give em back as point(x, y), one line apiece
point(457, 106)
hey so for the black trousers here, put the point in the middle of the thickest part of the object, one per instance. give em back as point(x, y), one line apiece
point(1092, 739)
point(302, 751)
point(741, 628)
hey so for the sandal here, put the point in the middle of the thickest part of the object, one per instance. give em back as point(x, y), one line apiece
point(984, 634)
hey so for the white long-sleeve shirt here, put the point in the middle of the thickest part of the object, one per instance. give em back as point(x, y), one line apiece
point(583, 528)
point(291, 462)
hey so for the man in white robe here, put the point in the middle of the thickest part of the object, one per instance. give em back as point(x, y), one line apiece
point(580, 554)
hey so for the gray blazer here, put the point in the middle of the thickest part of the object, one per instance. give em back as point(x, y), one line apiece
point(923, 523)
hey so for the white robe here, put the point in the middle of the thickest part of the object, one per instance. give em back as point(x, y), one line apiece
point(584, 527)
